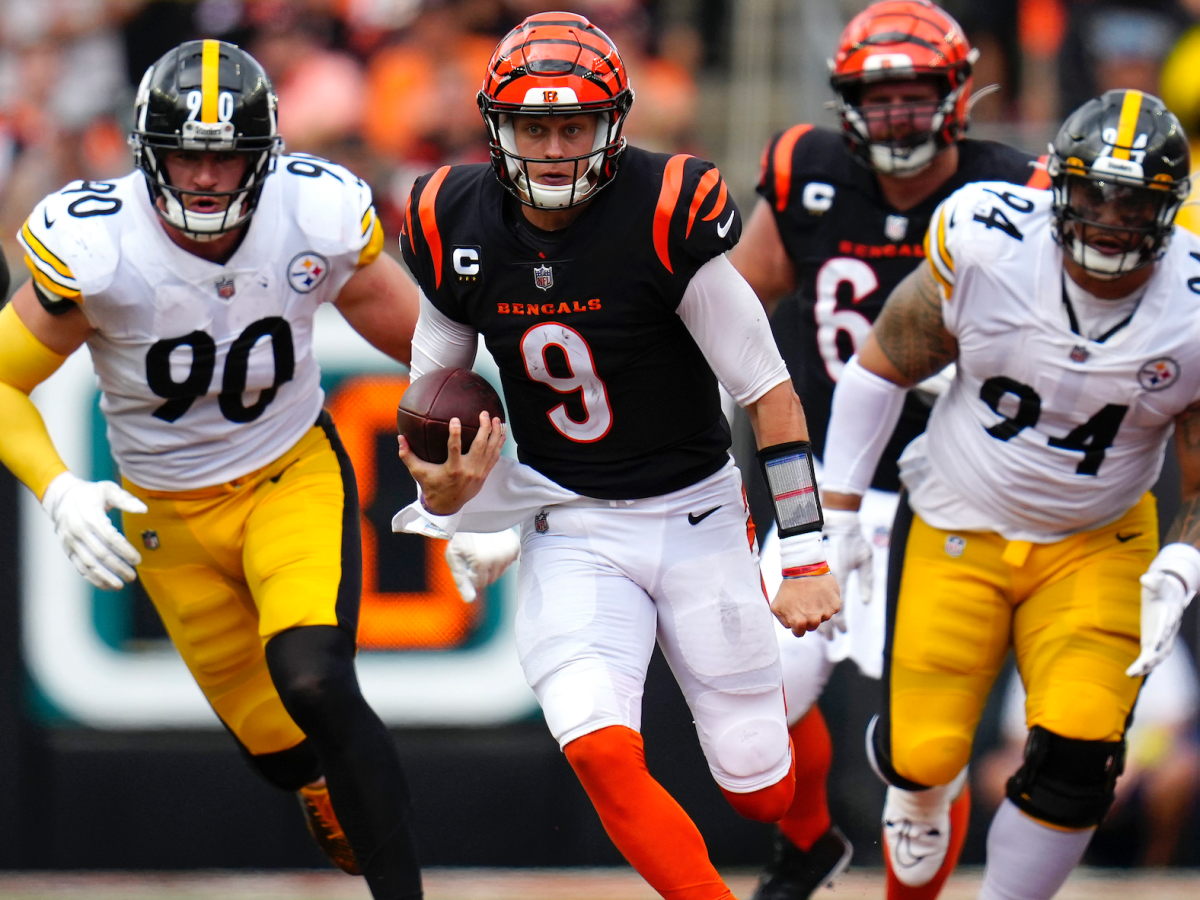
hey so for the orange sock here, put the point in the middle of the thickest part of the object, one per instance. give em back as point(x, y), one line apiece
point(649, 828)
point(769, 803)
point(808, 816)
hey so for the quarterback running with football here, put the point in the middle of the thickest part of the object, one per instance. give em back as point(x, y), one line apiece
point(1027, 520)
point(596, 274)
point(194, 282)
point(840, 222)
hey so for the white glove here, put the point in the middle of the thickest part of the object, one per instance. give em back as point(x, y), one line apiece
point(848, 551)
point(79, 510)
point(476, 560)
point(1167, 588)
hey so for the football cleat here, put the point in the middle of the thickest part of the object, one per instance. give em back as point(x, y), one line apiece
point(325, 828)
point(921, 850)
point(794, 874)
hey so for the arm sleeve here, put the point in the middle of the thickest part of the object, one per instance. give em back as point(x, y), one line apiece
point(865, 411)
point(439, 341)
point(25, 445)
point(724, 317)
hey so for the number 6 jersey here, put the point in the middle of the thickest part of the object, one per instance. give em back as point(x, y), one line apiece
point(1043, 432)
point(206, 370)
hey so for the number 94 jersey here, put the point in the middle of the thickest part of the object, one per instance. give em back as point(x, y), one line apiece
point(1044, 433)
point(206, 370)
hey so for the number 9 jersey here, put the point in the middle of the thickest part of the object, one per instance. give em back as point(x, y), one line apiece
point(206, 370)
point(1043, 432)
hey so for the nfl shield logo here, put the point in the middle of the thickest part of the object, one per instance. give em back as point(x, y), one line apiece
point(543, 277)
point(150, 540)
point(1079, 354)
point(541, 522)
point(226, 287)
point(955, 545)
point(895, 227)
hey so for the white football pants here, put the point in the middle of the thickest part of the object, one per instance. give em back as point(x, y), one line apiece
point(603, 579)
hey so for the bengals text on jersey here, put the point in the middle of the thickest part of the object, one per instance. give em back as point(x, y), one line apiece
point(849, 249)
point(607, 392)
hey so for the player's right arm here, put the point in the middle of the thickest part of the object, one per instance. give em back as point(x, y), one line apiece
point(37, 334)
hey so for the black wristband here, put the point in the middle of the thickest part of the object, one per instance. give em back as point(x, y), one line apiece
point(791, 478)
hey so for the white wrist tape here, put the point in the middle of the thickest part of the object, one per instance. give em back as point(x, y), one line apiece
point(1182, 561)
point(866, 409)
point(802, 555)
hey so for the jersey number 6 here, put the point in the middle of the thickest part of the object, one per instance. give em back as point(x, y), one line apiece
point(181, 394)
point(583, 378)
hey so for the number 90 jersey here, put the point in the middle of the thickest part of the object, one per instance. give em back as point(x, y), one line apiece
point(1044, 433)
point(206, 370)
point(849, 248)
point(607, 392)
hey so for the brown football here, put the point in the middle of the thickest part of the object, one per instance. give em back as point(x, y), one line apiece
point(437, 397)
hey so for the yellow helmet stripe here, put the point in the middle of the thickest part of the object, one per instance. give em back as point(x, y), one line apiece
point(1127, 123)
point(209, 64)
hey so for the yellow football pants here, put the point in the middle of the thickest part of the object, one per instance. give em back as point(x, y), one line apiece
point(1070, 610)
point(229, 567)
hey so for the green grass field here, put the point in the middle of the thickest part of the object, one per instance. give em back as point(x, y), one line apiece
point(521, 884)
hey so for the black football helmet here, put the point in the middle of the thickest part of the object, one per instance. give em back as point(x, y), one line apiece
point(205, 96)
point(1120, 171)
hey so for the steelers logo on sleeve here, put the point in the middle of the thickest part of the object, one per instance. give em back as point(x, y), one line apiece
point(306, 271)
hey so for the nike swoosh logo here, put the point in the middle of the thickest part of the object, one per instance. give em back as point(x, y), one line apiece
point(1126, 538)
point(50, 222)
point(723, 230)
point(694, 519)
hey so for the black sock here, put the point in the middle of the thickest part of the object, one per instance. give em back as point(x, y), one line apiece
point(313, 670)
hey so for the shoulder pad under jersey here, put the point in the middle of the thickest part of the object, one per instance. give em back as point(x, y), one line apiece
point(332, 206)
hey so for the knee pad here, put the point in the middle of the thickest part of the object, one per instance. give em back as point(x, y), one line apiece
point(1067, 782)
point(880, 757)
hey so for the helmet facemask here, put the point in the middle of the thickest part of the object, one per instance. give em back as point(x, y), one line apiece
point(1111, 227)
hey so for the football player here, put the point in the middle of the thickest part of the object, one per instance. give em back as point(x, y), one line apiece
point(194, 281)
point(1027, 521)
point(839, 223)
point(596, 274)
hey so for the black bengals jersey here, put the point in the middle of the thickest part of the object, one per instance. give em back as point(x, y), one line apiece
point(606, 391)
point(849, 249)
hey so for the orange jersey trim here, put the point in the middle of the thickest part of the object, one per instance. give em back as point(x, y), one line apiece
point(783, 163)
point(719, 206)
point(668, 199)
point(1040, 178)
point(707, 182)
point(426, 213)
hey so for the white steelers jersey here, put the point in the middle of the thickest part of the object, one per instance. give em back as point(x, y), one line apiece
point(206, 371)
point(1044, 433)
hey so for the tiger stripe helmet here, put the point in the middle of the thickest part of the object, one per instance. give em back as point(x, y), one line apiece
point(900, 40)
point(556, 63)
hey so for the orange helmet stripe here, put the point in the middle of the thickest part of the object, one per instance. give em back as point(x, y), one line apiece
point(668, 199)
point(426, 212)
point(719, 206)
point(783, 163)
point(707, 182)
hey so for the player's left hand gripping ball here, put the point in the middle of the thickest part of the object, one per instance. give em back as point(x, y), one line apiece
point(79, 510)
point(1167, 588)
point(477, 560)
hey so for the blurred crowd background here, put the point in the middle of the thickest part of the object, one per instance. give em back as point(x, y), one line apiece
point(387, 88)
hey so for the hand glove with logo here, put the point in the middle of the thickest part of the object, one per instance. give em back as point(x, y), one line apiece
point(1167, 588)
point(477, 560)
point(79, 510)
point(848, 551)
